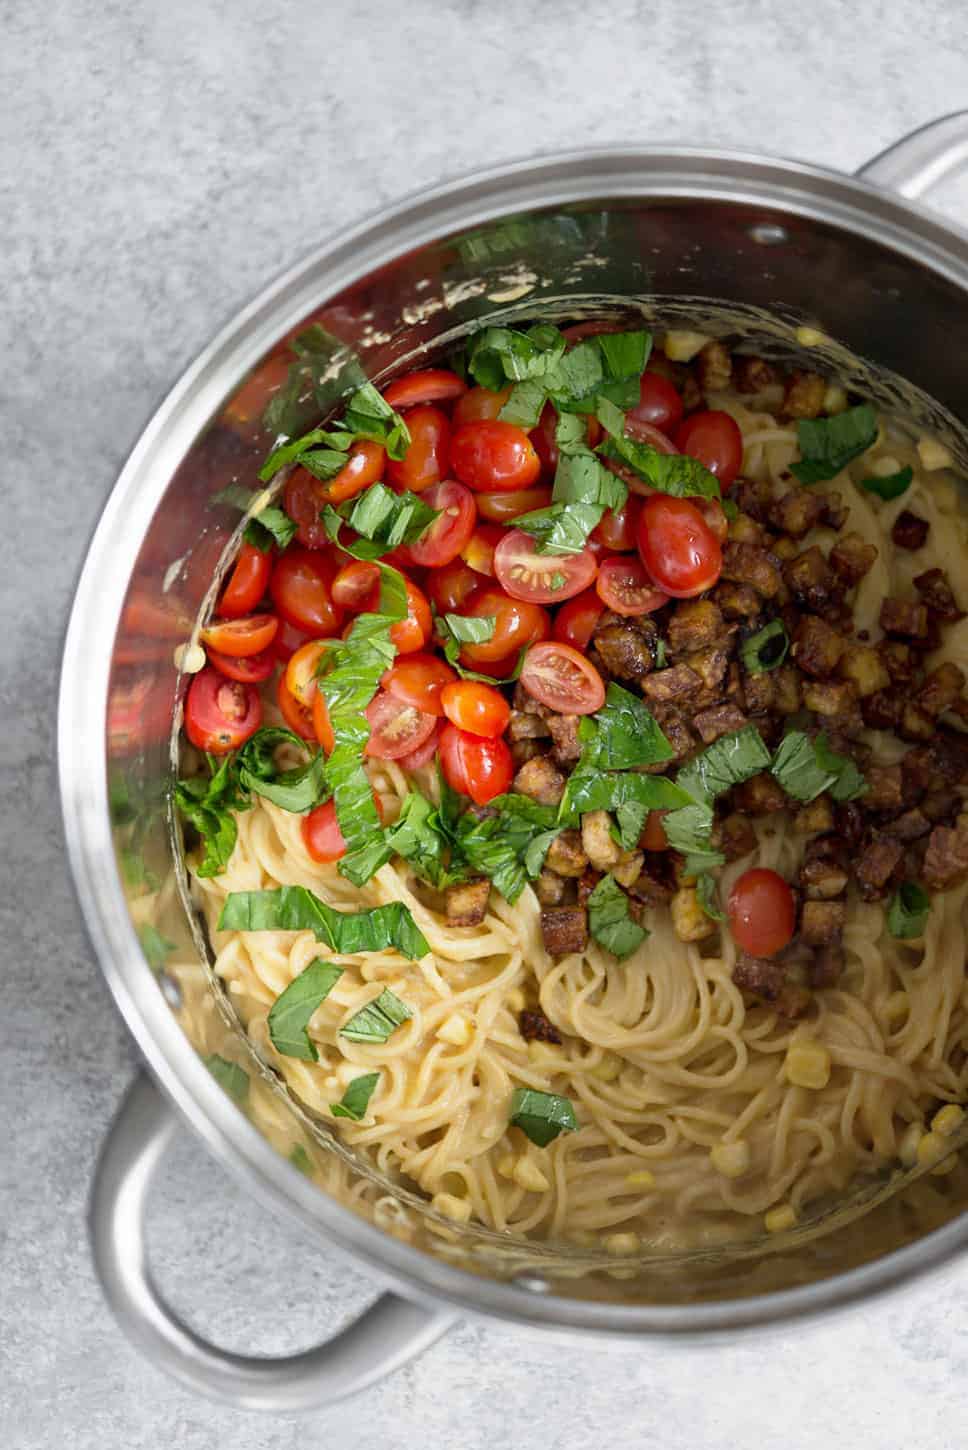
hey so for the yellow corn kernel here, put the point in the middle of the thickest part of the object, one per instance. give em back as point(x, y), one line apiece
point(835, 399)
point(544, 1054)
point(897, 1008)
point(681, 345)
point(621, 1244)
point(779, 1219)
point(641, 1178)
point(505, 1165)
point(947, 1120)
point(811, 336)
point(931, 1149)
point(459, 1209)
point(189, 658)
point(933, 455)
point(907, 1148)
point(808, 1065)
point(528, 1175)
point(609, 1068)
point(732, 1160)
point(516, 999)
point(455, 1029)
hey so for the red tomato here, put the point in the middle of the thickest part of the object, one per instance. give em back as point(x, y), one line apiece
point(395, 729)
point(286, 642)
point(251, 670)
point(354, 585)
point(322, 728)
point(449, 533)
point(541, 578)
point(561, 678)
point(491, 456)
point(644, 432)
point(712, 511)
point(418, 680)
point(659, 403)
point(714, 438)
point(301, 672)
point(543, 439)
point(300, 589)
point(303, 498)
point(478, 708)
point(575, 621)
point(679, 550)
point(516, 623)
point(424, 753)
point(762, 912)
point(654, 838)
point(450, 586)
point(427, 459)
point(500, 508)
point(321, 834)
point(412, 633)
point(221, 714)
point(241, 637)
point(624, 586)
point(429, 385)
point(617, 528)
point(479, 403)
point(478, 552)
point(296, 716)
point(474, 766)
point(366, 464)
point(247, 582)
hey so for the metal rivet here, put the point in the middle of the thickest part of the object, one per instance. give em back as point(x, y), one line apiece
point(170, 990)
point(769, 235)
point(532, 1283)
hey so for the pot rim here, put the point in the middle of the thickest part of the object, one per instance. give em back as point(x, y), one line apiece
point(745, 177)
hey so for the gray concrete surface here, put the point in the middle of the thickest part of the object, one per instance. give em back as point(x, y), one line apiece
point(157, 163)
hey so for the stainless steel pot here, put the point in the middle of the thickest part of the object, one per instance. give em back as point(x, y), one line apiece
point(735, 242)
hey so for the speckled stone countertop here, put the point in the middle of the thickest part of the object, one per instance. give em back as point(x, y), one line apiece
point(157, 164)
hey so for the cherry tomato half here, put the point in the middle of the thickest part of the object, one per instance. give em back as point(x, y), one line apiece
point(322, 728)
point(301, 671)
point(449, 586)
point(680, 552)
point(516, 623)
point(475, 766)
point(543, 439)
point(541, 578)
point(247, 582)
point(761, 912)
point(418, 680)
point(427, 459)
point(354, 585)
point(617, 528)
point(321, 834)
point(478, 708)
point(220, 714)
point(424, 753)
point(300, 589)
point(561, 678)
point(659, 403)
point(396, 729)
point(296, 716)
point(303, 498)
point(478, 552)
point(478, 403)
point(575, 621)
point(366, 465)
point(624, 586)
point(412, 633)
point(429, 385)
point(449, 533)
point(491, 456)
point(500, 508)
point(251, 669)
point(713, 437)
point(241, 637)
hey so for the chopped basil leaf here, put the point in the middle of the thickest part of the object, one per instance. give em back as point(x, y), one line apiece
point(155, 947)
point(729, 509)
point(827, 445)
point(541, 1116)
point(561, 528)
point(765, 650)
point(891, 486)
point(300, 1159)
point(581, 478)
point(628, 795)
point(571, 433)
point(417, 837)
point(229, 1076)
point(208, 806)
point(500, 355)
point(727, 762)
point(270, 525)
point(611, 418)
point(525, 405)
point(323, 462)
point(325, 370)
point(609, 921)
point(378, 1020)
point(295, 908)
point(689, 830)
point(577, 378)
point(661, 654)
point(848, 782)
point(390, 518)
point(297, 790)
point(672, 473)
point(533, 857)
point(470, 629)
point(624, 733)
point(290, 1013)
point(583, 490)
point(907, 915)
point(507, 847)
point(369, 415)
point(806, 768)
point(624, 354)
point(708, 899)
point(356, 1098)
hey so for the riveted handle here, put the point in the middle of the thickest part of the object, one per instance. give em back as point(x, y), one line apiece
point(919, 162)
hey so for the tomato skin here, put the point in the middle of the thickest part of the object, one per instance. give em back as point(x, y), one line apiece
point(517, 623)
point(562, 679)
point(500, 508)
point(395, 729)
point(247, 582)
point(478, 552)
point(427, 459)
point(412, 633)
point(475, 707)
point(625, 588)
point(681, 554)
point(301, 672)
point(449, 586)
point(543, 440)
point(659, 403)
point(761, 912)
point(241, 637)
point(321, 834)
point(714, 438)
point(422, 754)
point(448, 534)
point(250, 669)
point(654, 838)
point(286, 642)
point(300, 590)
point(494, 457)
point(354, 585)
point(577, 618)
point(418, 680)
point(618, 526)
point(478, 403)
point(298, 718)
point(428, 385)
point(541, 578)
point(366, 465)
point(322, 729)
point(220, 714)
point(480, 768)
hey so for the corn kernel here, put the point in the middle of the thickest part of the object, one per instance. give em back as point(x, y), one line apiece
point(455, 1029)
point(931, 1149)
point(779, 1219)
point(933, 455)
point(947, 1120)
point(835, 399)
point(516, 999)
point(459, 1209)
point(907, 1148)
point(897, 1008)
point(811, 336)
point(681, 345)
point(528, 1175)
point(505, 1165)
point(189, 658)
point(609, 1068)
point(732, 1160)
point(641, 1178)
point(808, 1065)
point(621, 1244)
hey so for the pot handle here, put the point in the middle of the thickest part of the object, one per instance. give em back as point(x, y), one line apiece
point(917, 163)
point(390, 1332)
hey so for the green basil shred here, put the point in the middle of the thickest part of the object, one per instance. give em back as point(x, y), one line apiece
point(290, 1013)
point(827, 445)
point(356, 1099)
point(766, 649)
point(609, 921)
point(229, 1076)
point(378, 1020)
point(907, 915)
point(541, 1116)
